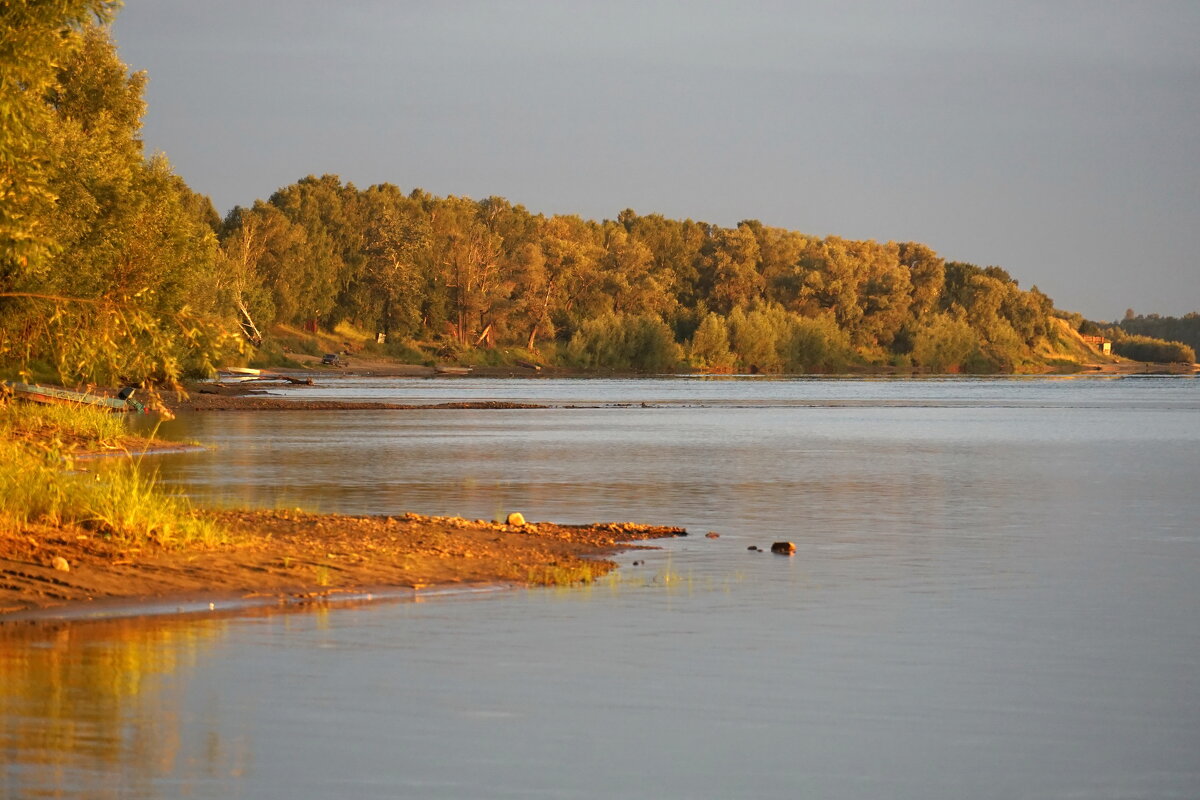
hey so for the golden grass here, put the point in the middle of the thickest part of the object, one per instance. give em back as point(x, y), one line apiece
point(125, 500)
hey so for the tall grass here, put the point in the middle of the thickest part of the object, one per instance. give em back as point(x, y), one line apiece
point(61, 426)
point(123, 500)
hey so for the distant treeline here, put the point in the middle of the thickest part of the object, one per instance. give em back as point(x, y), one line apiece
point(640, 291)
point(112, 268)
point(1184, 330)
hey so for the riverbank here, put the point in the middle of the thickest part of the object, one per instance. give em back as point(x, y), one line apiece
point(293, 554)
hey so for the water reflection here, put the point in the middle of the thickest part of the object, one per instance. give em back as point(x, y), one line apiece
point(100, 709)
point(994, 597)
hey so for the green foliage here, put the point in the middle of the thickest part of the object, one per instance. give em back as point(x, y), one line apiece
point(1185, 329)
point(125, 289)
point(40, 482)
point(709, 349)
point(489, 274)
point(815, 345)
point(641, 342)
point(35, 39)
point(770, 339)
point(91, 226)
point(60, 427)
point(945, 343)
point(1146, 348)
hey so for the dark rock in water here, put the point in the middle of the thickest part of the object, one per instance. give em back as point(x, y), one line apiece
point(752, 547)
point(712, 535)
point(783, 548)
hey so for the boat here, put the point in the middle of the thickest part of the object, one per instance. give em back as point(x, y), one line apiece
point(449, 370)
point(123, 401)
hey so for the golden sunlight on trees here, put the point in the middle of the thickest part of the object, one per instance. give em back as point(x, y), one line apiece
point(112, 269)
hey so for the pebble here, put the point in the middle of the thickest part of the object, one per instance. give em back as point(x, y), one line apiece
point(60, 564)
point(515, 518)
point(712, 535)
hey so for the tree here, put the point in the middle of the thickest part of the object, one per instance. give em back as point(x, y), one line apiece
point(386, 288)
point(124, 287)
point(731, 271)
point(709, 349)
point(944, 343)
point(35, 39)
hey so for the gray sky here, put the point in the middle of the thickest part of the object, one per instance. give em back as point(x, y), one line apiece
point(1059, 140)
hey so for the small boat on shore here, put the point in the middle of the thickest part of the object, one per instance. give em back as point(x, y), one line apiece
point(449, 370)
point(35, 393)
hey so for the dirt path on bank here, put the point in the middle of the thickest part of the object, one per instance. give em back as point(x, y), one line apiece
point(290, 554)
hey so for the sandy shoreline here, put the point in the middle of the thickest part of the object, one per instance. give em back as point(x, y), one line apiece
point(289, 555)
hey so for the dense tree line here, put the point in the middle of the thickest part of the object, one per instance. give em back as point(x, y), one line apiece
point(485, 272)
point(1147, 348)
point(1185, 329)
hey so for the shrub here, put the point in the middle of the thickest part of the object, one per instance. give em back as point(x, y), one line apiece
point(815, 344)
point(756, 338)
point(946, 343)
point(709, 349)
point(640, 342)
point(1145, 348)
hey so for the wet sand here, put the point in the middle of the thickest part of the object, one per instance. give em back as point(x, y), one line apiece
point(291, 554)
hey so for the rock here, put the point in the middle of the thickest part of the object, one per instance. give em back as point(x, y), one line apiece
point(712, 535)
point(752, 547)
point(515, 518)
point(60, 564)
point(783, 548)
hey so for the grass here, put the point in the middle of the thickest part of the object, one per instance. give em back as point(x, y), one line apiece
point(124, 500)
point(565, 576)
point(61, 427)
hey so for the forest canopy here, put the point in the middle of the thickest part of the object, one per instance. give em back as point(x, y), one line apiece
point(485, 272)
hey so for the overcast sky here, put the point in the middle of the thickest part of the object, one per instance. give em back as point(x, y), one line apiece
point(1059, 140)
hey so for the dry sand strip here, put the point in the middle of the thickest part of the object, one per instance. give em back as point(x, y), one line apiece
point(291, 554)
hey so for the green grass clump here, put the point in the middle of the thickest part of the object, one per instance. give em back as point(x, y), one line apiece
point(128, 502)
point(565, 576)
point(124, 500)
point(63, 426)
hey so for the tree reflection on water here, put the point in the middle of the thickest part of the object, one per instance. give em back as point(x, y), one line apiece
point(97, 709)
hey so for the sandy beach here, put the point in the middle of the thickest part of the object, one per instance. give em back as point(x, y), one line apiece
point(293, 554)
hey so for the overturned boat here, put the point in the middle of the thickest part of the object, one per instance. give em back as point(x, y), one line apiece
point(36, 393)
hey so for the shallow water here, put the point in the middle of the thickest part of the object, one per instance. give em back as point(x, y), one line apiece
point(995, 595)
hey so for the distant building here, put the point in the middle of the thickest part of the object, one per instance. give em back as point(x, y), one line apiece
point(1105, 345)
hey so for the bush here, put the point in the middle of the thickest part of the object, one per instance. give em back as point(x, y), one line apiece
point(1145, 348)
point(815, 345)
point(756, 338)
point(404, 351)
point(709, 349)
point(947, 344)
point(624, 341)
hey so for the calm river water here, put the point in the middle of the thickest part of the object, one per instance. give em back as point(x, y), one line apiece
point(996, 594)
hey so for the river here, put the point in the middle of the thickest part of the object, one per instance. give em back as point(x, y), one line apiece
point(996, 594)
